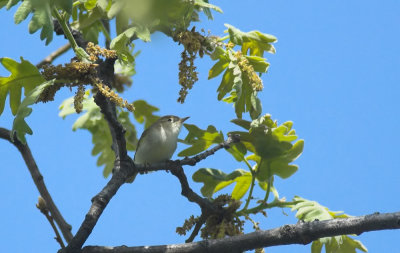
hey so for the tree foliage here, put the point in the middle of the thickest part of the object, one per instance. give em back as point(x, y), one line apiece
point(266, 150)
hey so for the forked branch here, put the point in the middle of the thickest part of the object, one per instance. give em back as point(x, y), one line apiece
point(39, 182)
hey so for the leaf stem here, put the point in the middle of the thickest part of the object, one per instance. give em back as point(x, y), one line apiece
point(76, 3)
point(105, 31)
point(268, 188)
point(223, 38)
point(264, 205)
point(253, 178)
point(248, 164)
point(65, 29)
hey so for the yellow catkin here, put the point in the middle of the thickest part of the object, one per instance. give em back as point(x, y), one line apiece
point(246, 68)
point(107, 92)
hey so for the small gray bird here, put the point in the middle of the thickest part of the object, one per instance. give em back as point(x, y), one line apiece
point(158, 142)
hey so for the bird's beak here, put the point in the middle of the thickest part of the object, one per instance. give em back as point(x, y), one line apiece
point(183, 119)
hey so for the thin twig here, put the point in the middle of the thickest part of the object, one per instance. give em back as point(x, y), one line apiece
point(300, 233)
point(196, 229)
point(51, 57)
point(39, 182)
point(42, 206)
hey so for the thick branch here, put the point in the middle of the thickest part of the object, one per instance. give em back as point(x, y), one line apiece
point(99, 203)
point(39, 182)
point(300, 233)
point(105, 73)
point(205, 204)
point(123, 164)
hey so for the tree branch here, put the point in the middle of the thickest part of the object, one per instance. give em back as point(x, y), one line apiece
point(196, 229)
point(51, 57)
point(300, 233)
point(105, 73)
point(39, 182)
point(42, 206)
point(99, 203)
point(204, 203)
point(124, 166)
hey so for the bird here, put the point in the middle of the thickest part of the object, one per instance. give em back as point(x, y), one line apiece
point(158, 142)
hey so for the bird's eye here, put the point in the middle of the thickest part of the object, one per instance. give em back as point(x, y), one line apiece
point(170, 119)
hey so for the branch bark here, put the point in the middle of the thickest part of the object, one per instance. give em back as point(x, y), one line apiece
point(300, 233)
point(39, 182)
point(124, 166)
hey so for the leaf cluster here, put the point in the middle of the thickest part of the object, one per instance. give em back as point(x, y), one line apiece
point(240, 78)
point(309, 211)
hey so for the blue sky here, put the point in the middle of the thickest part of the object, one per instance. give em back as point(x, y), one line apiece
point(335, 75)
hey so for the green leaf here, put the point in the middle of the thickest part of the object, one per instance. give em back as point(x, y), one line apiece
point(238, 37)
point(238, 151)
point(282, 169)
point(143, 113)
point(226, 84)
point(90, 4)
point(308, 210)
point(218, 68)
point(20, 127)
point(104, 5)
point(121, 45)
point(215, 180)
point(11, 3)
point(88, 22)
point(200, 139)
point(218, 53)
point(42, 15)
point(256, 107)
point(316, 246)
point(241, 122)
point(3, 3)
point(23, 75)
point(205, 6)
point(124, 47)
point(116, 7)
point(272, 146)
point(259, 64)
point(257, 48)
point(41, 19)
point(22, 12)
point(66, 5)
point(337, 244)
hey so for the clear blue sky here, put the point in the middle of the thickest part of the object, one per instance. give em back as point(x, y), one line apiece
point(335, 75)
